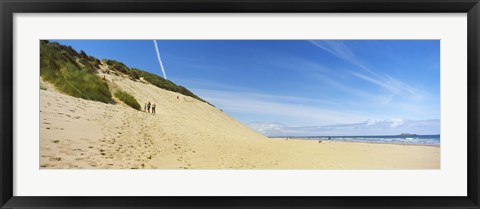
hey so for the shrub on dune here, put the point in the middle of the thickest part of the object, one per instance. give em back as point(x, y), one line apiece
point(73, 73)
point(127, 99)
point(58, 65)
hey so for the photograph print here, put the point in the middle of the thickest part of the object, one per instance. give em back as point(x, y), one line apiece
point(240, 104)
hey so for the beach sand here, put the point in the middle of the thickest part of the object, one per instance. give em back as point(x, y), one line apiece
point(188, 134)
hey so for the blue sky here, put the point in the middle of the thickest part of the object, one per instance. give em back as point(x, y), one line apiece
point(295, 82)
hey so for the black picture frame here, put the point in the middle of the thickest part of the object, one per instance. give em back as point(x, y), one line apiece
point(9, 7)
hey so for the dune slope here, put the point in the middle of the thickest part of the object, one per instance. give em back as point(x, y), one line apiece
point(184, 131)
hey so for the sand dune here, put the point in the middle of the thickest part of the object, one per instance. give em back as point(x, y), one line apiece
point(189, 134)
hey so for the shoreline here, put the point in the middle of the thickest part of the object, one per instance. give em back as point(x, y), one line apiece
point(334, 141)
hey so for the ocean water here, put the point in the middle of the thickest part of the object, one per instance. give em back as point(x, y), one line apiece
point(418, 139)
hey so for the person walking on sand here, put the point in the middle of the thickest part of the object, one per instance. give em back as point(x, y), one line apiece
point(145, 107)
point(153, 108)
point(148, 106)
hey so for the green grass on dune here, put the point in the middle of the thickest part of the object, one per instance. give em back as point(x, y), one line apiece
point(165, 84)
point(58, 65)
point(120, 67)
point(74, 73)
point(127, 99)
point(135, 73)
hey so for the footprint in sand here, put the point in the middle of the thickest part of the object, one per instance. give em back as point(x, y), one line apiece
point(55, 159)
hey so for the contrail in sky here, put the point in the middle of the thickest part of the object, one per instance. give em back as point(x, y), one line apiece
point(159, 59)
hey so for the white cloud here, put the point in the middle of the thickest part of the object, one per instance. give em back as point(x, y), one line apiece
point(306, 110)
point(395, 122)
point(340, 50)
point(266, 127)
point(369, 127)
point(391, 84)
point(370, 122)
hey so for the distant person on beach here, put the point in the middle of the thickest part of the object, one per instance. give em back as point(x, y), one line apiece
point(148, 106)
point(153, 108)
point(145, 107)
